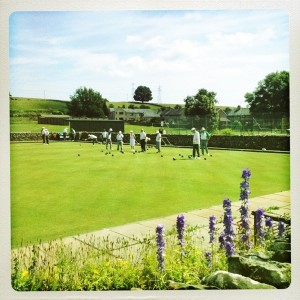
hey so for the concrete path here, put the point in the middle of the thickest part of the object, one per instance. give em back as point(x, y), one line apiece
point(135, 232)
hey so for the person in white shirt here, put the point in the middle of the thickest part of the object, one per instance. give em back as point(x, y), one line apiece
point(158, 141)
point(43, 135)
point(108, 139)
point(119, 138)
point(65, 133)
point(132, 141)
point(196, 143)
point(46, 136)
point(93, 138)
point(104, 136)
point(143, 136)
point(73, 134)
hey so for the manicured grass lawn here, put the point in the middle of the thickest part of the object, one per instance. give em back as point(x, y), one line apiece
point(57, 193)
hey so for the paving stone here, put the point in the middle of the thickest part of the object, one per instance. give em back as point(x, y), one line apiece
point(169, 224)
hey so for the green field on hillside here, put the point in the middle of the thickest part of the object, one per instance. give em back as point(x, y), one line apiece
point(28, 104)
point(68, 188)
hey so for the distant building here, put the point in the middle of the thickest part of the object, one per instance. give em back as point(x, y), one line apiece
point(172, 113)
point(95, 125)
point(130, 114)
point(223, 119)
point(239, 113)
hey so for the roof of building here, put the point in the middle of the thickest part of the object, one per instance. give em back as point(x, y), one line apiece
point(172, 112)
point(239, 111)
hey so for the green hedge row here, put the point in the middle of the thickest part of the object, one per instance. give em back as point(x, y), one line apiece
point(272, 142)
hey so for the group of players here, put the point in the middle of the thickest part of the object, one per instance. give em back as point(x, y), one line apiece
point(107, 140)
point(200, 140)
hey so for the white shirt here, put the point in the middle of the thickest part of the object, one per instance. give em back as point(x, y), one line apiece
point(158, 137)
point(120, 136)
point(143, 135)
point(196, 138)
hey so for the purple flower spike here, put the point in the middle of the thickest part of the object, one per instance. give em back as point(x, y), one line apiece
point(246, 174)
point(226, 236)
point(212, 228)
point(229, 246)
point(281, 229)
point(258, 224)
point(244, 209)
point(160, 243)
point(180, 225)
point(269, 222)
point(226, 203)
point(208, 257)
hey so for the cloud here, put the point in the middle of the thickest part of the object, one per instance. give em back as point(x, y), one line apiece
point(225, 51)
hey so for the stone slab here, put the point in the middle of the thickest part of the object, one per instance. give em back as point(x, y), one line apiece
point(152, 223)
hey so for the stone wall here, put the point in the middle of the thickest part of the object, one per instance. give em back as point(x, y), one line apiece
point(275, 143)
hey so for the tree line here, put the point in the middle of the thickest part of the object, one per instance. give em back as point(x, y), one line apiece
point(270, 96)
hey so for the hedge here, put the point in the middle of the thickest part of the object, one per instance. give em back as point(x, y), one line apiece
point(272, 142)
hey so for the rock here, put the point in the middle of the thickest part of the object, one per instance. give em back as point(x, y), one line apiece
point(279, 246)
point(269, 272)
point(283, 256)
point(226, 280)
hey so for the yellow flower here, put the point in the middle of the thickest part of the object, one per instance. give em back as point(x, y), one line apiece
point(25, 273)
point(122, 262)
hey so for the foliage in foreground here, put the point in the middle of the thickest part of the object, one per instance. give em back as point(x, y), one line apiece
point(108, 265)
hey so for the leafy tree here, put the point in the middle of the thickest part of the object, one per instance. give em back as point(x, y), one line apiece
point(271, 96)
point(203, 106)
point(142, 94)
point(88, 103)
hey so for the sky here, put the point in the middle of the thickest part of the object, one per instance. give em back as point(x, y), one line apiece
point(174, 53)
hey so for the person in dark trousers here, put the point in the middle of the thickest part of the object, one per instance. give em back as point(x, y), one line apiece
point(43, 133)
point(47, 136)
point(143, 140)
point(196, 143)
point(204, 137)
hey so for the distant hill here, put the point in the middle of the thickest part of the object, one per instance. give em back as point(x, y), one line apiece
point(19, 106)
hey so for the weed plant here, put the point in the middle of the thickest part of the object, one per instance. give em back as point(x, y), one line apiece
point(102, 264)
